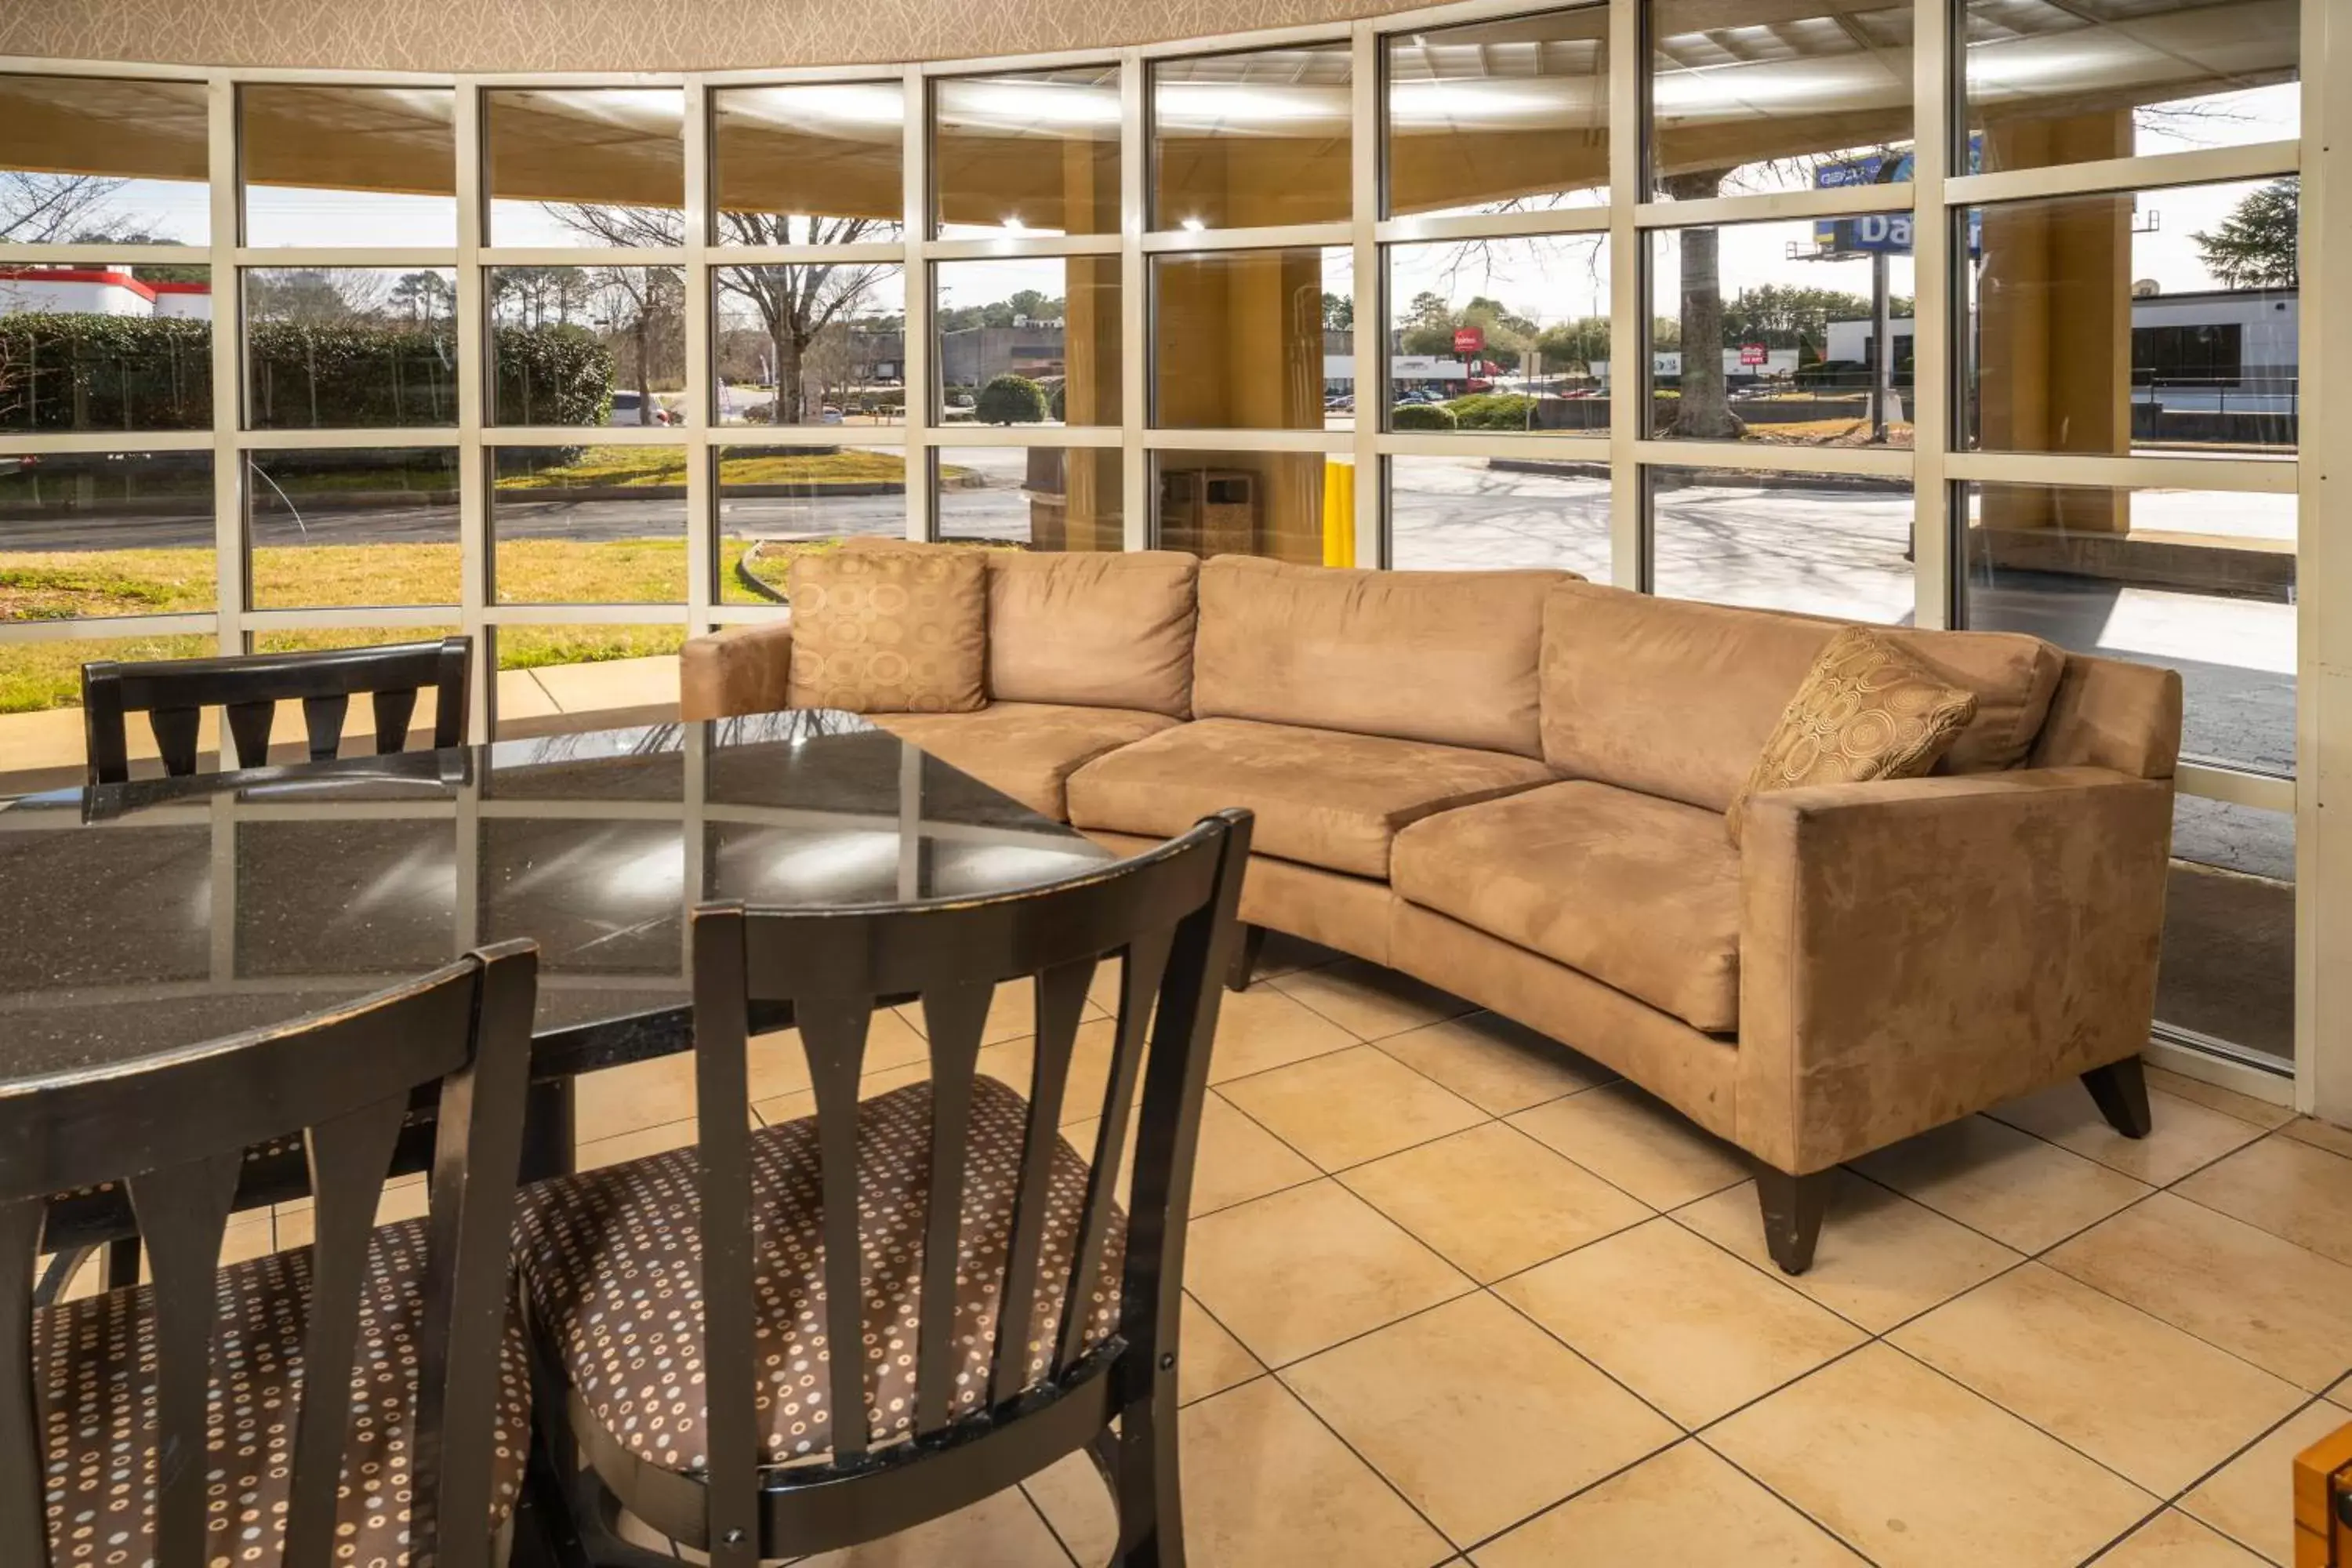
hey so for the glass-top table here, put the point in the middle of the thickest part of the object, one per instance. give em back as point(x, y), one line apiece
point(142, 917)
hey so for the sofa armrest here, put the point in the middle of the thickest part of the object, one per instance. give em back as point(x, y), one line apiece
point(743, 669)
point(1912, 952)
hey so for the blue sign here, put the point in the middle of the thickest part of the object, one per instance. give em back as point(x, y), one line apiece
point(1875, 233)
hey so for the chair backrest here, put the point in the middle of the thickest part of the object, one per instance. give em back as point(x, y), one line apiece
point(175, 1130)
point(1168, 918)
point(174, 693)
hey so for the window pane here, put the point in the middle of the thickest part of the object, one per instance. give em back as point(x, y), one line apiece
point(1029, 341)
point(347, 165)
point(1475, 513)
point(368, 526)
point(93, 347)
point(817, 164)
point(2209, 366)
point(1498, 334)
point(1767, 332)
point(776, 502)
point(1254, 340)
point(1507, 116)
point(1812, 95)
point(1244, 140)
point(1027, 153)
point(588, 346)
point(2201, 581)
point(105, 534)
point(602, 525)
point(838, 330)
point(349, 348)
point(1254, 503)
point(37, 676)
point(2228, 965)
point(1047, 497)
point(2049, 83)
point(599, 166)
point(1824, 544)
point(84, 161)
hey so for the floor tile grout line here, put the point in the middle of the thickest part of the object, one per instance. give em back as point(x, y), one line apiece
point(1046, 1520)
point(1788, 1502)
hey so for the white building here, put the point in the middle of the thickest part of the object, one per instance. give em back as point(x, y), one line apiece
point(99, 291)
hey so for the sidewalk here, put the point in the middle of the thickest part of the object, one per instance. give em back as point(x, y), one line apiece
point(44, 751)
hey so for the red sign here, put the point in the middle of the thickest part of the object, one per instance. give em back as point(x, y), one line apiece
point(1753, 353)
point(1469, 339)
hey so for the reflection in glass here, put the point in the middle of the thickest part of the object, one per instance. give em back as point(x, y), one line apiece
point(1244, 140)
point(2206, 278)
point(1820, 543)
point(1770, 331)
point(2200, 582)
point(349, 348)
point(1811, 95)
point(1507, 116)
point(347, 165)
point(1499, 334)
point(105, 534)
point(1026, 153)
point(1474, 514)
point(588, 346)
point(1047, 498)
point(89, 160)
point(368, 526)
point(37, 676)
point(832, 334)
point(2048, 84)
point(776, 502)
point(1249, 504)
point(348, 893)
point(585, 167)
point(1029, 341)
point(599, 897)
point(605, 525)
point(2228, 968)
point(90, 346)
point(809, 164)
point(1254, 340)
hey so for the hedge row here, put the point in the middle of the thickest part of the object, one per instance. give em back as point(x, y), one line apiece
point(70, 371)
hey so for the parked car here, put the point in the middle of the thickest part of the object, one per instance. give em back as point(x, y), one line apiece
point(627, 410)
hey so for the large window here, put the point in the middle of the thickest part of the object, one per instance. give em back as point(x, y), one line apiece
point(98, 346)
point(1029, 152)
point(86, 160)
point(1498, 334)
point(348, 166)
point(585, 168)
point(1246, 140)
point(1508, 116)
point(1254, 340)
point(818, 164)
point(1028, 343)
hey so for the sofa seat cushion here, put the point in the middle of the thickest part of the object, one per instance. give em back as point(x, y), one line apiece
point(1639, 893)
point(1026, 750)
point(1322, 797)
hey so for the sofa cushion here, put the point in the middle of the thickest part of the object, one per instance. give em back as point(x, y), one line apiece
point(1675, 699)
point(1637, 892)
point(1101, 630)
point(888, 631)
point(1026, 749)
point(1445, 657)
point(1322, 797)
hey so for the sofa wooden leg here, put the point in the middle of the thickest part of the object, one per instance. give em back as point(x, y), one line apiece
point(2120, 1091)
point(1793, 1206)
point(1246, 956)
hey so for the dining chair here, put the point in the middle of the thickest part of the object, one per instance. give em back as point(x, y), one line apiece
point(1001, 1310)
point(363, 1399)
point(173, 692)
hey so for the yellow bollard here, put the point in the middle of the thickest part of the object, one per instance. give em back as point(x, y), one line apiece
point(1338, 512)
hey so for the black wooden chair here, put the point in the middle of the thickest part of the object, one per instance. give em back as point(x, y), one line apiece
point(682, 1305)
point(174, 693)
point(105, 1455)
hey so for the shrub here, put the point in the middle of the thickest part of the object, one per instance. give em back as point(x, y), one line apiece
point(1421, 416)
point(61, 369)
point(558, 374)
point(1010, 400)
point(1057, 402)
point(1493, 411)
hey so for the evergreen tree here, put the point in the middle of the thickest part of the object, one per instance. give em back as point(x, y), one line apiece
point(2253, 247)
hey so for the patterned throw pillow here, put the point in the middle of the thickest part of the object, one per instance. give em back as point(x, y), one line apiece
point(1866, 709)
point(877, 631)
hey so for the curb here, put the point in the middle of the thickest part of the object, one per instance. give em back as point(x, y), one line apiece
point(1758, 479)
point(744, 574)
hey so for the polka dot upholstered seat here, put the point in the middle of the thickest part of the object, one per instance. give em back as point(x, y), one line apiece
point(611, 1260)
point(95, 1363)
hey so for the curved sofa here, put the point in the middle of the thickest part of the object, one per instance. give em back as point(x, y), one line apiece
point(1511, 785)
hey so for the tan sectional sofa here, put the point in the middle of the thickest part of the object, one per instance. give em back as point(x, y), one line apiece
point(1512, 784)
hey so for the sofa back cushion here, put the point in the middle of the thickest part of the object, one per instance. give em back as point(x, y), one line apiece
point(1446, 657)
point(888, 631)
point(1676, 699)
point(1103, 630)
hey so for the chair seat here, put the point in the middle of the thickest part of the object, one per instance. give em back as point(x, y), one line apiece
point(611, 1260)
point(1027, 750)
point(95, 1362)
point(1323, 798)
point(1639, 893)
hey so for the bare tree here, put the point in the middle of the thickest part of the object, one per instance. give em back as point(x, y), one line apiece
point(55, 209)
